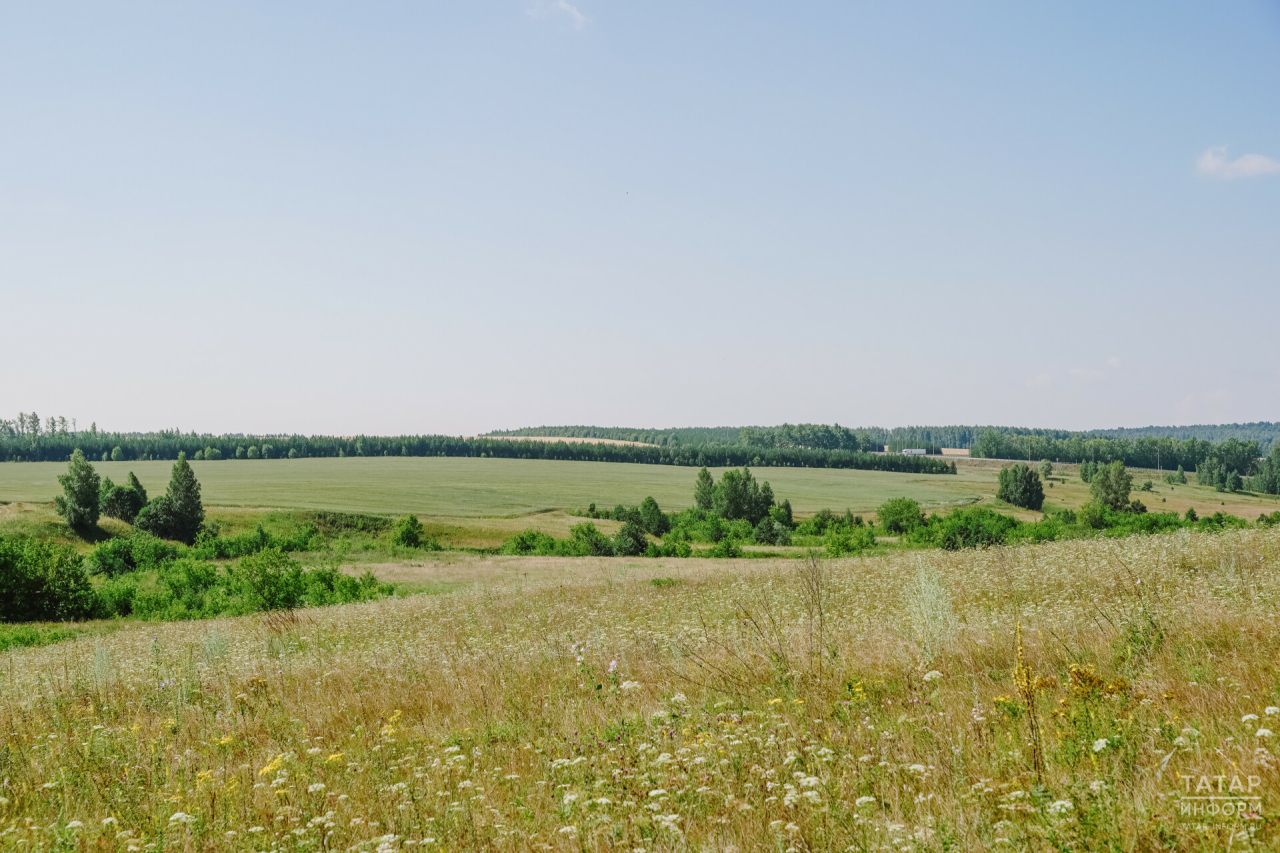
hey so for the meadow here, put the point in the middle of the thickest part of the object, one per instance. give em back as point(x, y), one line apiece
point(1070, 696)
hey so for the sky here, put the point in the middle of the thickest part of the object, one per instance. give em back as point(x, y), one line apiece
point(385, 218)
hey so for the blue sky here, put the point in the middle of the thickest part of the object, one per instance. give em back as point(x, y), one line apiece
point(321, 217)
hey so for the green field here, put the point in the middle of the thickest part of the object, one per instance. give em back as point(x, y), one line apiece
point(443, 486)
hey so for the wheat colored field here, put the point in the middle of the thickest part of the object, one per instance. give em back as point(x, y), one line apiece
point(877, 704)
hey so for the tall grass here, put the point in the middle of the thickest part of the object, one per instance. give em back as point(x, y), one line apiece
point(752, 706)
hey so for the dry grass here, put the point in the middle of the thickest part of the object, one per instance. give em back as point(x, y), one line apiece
point(783, 705)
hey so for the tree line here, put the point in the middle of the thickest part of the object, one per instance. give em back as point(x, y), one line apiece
point(59, 447)
point(1168, 453)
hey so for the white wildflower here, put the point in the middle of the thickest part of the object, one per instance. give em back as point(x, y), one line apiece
point(1059, 807)
point(932, 675)
point(1100, 744)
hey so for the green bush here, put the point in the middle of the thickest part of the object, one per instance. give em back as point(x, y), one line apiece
point(978, 527)
point(112, 558)
point(725, 548)
point(900, 515)
point(771, 532)
point(271, 580)
point(846, 541)
point(630, 540)
point(42, 582)
point(529, 543)
point(408, 532)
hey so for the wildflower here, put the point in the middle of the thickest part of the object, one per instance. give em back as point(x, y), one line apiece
point(1272, 710)
point(75, 824)
point(658, 792)
point(570, 830)
point(602, 801)
point(315, 788)
point(629, 685)
point(932, 675)
point(108, 821)
point(1248, 718)
point(569, 799)
point(863, 801)
point(255, 829)
point(1100, 744)
point(1097, 786)
point(1264, 733)
point(1059, 807)
point(613, 667)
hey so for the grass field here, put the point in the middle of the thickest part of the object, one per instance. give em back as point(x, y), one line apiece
point(442, 486)
point(866, 704)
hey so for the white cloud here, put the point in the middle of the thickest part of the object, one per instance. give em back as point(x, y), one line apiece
point(1214, 162)
point(544, 8)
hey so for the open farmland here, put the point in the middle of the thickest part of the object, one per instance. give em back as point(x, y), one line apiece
point(876, 704)
point(453, 486)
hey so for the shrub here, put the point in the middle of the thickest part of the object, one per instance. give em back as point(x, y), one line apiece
point(771, 532)
point(972, 528)
point(158, 518)
point(271, 580)
point(529, 542)
point(122, 502)
point(212, 454)
point(117, 454)
point(41, 582)
point(586, 540)
point(669, 549)
point(630, 540)
point(252, 452)
point(1046, 468)
point(1191, 514)
point(725, 548)
point(1020, 486)
point(845, 541)
point(112, 558)
point(408, 532)
point(900, 515)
